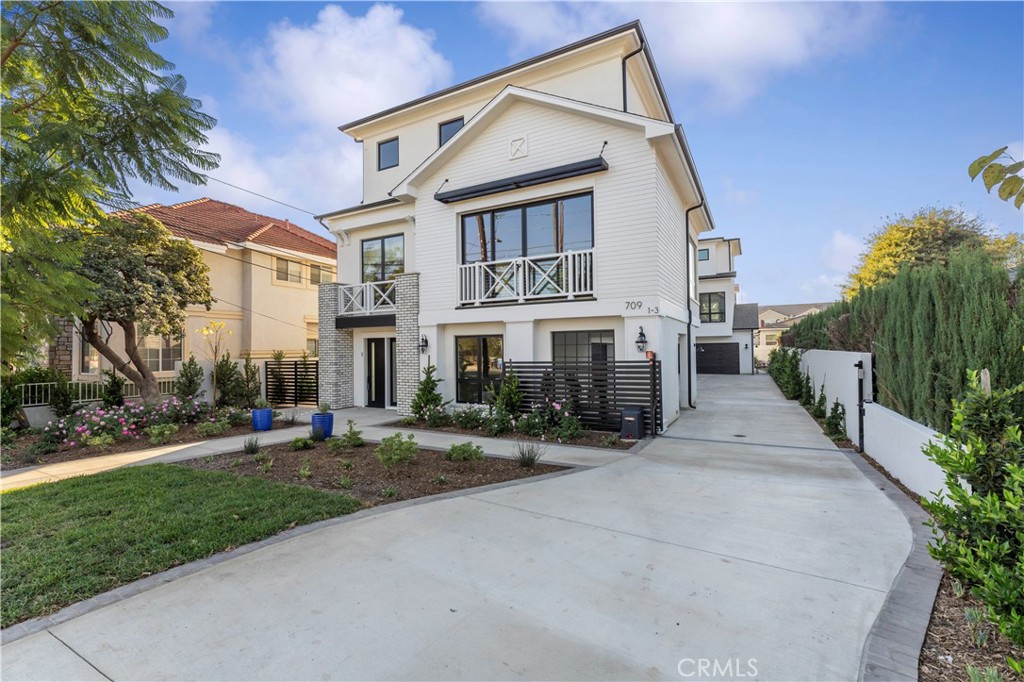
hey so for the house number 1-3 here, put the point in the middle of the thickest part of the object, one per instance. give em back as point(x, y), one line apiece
point(638, 305)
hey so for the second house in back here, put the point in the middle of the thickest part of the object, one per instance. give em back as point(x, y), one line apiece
point(544, 213)
point(725, 339)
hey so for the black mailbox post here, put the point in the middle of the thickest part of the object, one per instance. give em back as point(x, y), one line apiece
point(632, 423)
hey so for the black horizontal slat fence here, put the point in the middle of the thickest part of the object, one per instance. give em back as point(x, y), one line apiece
point(292, 382)
point(598, 390)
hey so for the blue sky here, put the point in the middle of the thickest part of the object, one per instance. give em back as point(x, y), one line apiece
point(810, 122)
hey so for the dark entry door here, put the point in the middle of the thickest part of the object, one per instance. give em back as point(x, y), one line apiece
point(376, 374)
point(718, 358)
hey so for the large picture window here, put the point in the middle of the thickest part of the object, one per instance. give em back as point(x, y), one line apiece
point(478, 362)
point(161, 352)
point(712, 307)
point(383, 258)
point(583, 346)
point(541, 228)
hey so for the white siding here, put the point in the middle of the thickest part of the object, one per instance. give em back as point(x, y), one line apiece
point(671, 245)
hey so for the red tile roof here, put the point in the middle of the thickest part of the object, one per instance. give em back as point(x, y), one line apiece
point(212, 221)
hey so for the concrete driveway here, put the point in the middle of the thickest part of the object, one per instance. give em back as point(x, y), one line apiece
point(742, 538)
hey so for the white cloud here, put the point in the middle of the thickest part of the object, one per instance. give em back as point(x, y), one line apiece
point(822, 288)
point(731, 49)
point(736, 195)
point(839, 254)
point(343, 67)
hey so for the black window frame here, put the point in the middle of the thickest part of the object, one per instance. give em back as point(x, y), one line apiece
point(383, 260)
point(480, 381)
point(441, 139)
point(523, 208)
point(380, 146)
point(703, 252)
point(600, 336)
point(709, 316)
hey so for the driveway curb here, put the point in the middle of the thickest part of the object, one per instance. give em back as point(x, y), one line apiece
point(118, 594)
point(893, 646)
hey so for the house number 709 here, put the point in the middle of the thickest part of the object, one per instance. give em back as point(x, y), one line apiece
point(638, 305)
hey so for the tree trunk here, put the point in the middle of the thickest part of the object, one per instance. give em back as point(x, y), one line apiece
point(135, 368)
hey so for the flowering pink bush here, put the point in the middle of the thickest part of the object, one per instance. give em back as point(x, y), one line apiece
point(125, 422)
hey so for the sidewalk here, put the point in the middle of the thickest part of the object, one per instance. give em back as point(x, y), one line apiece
point(367, 420)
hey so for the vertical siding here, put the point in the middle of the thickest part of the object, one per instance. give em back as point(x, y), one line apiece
point(625, 208)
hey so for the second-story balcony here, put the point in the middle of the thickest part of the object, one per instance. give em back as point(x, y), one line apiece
point(368, 298)
point(555, 276)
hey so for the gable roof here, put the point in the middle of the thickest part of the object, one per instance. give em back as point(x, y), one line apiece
point(744, 316)
point(793, 309)
point(218, 222)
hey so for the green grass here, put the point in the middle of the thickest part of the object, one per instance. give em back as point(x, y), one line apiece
point(66, 541)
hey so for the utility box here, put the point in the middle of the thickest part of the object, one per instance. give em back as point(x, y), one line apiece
point(632, 423)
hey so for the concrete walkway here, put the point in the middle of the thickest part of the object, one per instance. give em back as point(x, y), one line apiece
point(368, 420)
point(742, 539)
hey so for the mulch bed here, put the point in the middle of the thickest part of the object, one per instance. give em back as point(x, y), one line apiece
point(369, 481)
point(17, 454)
point(590, 439)
point(949, 645)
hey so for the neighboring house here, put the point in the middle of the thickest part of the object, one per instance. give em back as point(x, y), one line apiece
point(725, 342)
point(264, 274)
point(774, 320)
point(538, 213)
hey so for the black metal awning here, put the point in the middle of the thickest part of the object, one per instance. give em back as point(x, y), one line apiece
point(358, 321)
point(569, 170)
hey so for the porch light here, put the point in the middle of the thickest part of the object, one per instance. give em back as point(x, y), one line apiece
point(423, 343)
point(641, 341)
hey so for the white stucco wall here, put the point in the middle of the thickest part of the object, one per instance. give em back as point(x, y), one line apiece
point(835, 369)
point(895, 442)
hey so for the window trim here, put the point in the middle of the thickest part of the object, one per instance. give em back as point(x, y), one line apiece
point(83, 343)
point(397, 154)
point(703, 252)
point(288, 281)
point(172, 338)
point(440, 126)
point(522, 220)
point(322, 269)
point(707, 317)
point(381, 239)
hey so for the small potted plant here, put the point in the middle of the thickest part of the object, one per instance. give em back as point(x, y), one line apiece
point(323, 420)
point(262, 416)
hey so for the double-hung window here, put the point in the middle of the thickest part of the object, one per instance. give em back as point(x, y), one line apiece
point(712, 307)
point(161, 352)
point(289, 271)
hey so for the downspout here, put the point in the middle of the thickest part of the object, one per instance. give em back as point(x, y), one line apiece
point(631, 54)
point(689, 309)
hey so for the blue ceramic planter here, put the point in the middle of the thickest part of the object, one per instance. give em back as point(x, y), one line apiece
point(324, 423)
point(262, 419)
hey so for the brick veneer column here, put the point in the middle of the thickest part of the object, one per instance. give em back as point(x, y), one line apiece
point(60, 351)
point(336, 361)
point(407, 331)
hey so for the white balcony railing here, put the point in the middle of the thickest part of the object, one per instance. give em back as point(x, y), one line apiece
point(367, 298)
point(559, 275)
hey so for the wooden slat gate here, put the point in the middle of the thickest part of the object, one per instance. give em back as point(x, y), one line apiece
point(598, 390)
point(292, 382)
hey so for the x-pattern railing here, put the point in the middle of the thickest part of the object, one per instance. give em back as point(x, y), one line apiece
point(369, 297)
point(559, 275)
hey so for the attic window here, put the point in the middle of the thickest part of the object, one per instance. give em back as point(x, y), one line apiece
point(446, 130)
point(387, 154)
point(702, 254)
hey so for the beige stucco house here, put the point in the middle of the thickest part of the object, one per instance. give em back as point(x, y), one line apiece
point(264, 273)
point(774, 320)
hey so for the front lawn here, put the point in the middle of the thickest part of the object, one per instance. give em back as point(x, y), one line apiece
point(67, 541)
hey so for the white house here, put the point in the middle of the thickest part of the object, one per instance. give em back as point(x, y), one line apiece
point(546, 212)
point(725, 338)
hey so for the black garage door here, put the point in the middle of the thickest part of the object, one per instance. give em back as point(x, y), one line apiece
point(718, 358)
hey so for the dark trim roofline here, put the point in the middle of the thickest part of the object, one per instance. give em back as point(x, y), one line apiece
point(569, 170)
point(719, 275)
point(625, 28)
point(360, 207)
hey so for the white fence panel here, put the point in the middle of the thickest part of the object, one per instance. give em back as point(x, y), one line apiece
point(895, 442)
point(836, 369)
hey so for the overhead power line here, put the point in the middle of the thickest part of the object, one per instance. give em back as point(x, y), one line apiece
point(264, 196)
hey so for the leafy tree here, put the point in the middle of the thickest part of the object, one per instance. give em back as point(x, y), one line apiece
point(1007, 176)
point(87, 107)
point(145, 279)
point(928, 236)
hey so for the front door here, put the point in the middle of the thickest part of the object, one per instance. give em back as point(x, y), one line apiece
point(376, 373)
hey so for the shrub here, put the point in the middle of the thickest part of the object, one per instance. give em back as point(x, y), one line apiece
point(306, 470)
point(250, 388)
point(100, 441)
point(301, 443)
point(390, 491)
point(251, 445)
point(499, 423)
point(352, 438)
point(234, 416)
point(210, 429)
point(569, 428)
point(533, 424)
point(979, 523)
point(189, 384)
point(428, 400)
point(409, 421)
point(396, 450)
point(508, 397)
point(835, 424)
point(806, 391)
point(820, 408)
point(7, 436)
point(464, 452)
point(40, 448)
point(469, 418)
point(113, 389)
point(61, 400)
point(160, 433)
point(528, 454)
point(228, 379)
point(784, 368)
point(344, 482)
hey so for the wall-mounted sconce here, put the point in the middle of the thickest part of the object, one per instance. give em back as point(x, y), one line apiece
point(423, 343)
point(641, 341)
